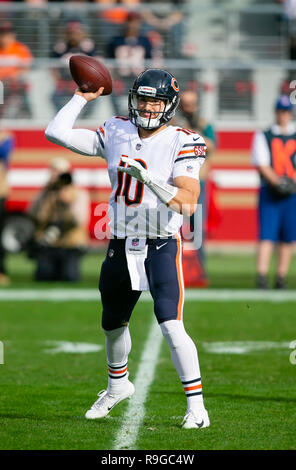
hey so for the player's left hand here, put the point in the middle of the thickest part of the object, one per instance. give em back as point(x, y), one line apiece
point(285, 186)
point(134, 169)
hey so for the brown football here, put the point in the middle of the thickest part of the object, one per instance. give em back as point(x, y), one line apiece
point(90, 74)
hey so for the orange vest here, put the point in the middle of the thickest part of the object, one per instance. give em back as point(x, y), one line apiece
point(282, 153)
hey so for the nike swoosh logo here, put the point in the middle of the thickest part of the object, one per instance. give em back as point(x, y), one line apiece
point(110, 407)
point(196, 138)
point(200, 425)
point(160, 246)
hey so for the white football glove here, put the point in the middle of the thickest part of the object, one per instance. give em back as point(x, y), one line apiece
point(135, 169)
point(164, 191)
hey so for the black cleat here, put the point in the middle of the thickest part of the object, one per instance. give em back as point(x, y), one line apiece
point(261, 282)
point(280, 283)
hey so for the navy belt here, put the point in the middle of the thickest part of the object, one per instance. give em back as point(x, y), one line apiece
point(149, 241)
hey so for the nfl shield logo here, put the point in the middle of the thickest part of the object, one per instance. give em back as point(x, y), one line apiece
point(135, 242)
point(138, 146)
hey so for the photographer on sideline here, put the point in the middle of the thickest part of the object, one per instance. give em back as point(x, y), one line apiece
point(6, 148)
point(61, 215)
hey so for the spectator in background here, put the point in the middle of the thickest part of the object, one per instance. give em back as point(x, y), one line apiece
point(36, 2)
point(61, 215)
point(113, 16)
point(75, 41)
point(290, 18)
point(170, 25)
point(274, 155)
point(132, 48)
point(188, 117)
point(6, 147)
point(15, 61)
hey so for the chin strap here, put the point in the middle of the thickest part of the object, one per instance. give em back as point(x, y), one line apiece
point(164, 191)
point(143, 122)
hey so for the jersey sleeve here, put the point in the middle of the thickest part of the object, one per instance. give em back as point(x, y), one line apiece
point(102, 134)
point(260, 151)
point(190, 156)
point(60, 130)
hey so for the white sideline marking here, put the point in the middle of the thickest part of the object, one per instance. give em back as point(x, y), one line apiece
point(69, 347)
point(243, 347)
point(54, 295)
point(199, 295)
point(133, 417)
point(231, 295)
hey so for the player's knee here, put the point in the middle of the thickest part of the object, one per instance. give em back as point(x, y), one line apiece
point(110, 321)
point(110, 325)
point(165, 309)
point(174, 332)
point(115, 333)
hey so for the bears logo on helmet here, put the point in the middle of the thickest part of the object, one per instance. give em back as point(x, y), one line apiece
point(175, 84)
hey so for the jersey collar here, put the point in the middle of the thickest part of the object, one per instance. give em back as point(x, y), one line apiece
point(290, 129)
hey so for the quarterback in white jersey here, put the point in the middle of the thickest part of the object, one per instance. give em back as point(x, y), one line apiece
point(154, 174)
point(182, 154)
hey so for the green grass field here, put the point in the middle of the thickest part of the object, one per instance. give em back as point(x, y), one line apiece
point(250, 395)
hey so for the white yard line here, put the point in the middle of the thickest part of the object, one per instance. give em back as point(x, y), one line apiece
point(127, 435)
point(231, 295)
point(244, 347)
point(53, 295)
point(199, 295)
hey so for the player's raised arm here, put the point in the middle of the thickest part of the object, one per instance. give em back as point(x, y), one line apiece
point(60, 130)
point(93, 80)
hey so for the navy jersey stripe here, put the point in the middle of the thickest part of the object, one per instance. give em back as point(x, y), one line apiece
point(189, 158)
point(194, 145)
point(101, 140)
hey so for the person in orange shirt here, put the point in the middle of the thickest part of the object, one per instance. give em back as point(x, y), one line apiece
point(15, 61)
point(113, 16)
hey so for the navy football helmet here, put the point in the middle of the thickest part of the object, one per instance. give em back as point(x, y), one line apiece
point(155, 83)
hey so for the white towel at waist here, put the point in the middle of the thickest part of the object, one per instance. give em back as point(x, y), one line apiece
point(136, 253)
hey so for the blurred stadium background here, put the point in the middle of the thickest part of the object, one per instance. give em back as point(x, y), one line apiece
point(235, 54)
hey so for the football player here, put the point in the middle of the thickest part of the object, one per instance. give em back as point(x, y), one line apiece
point(154, 171)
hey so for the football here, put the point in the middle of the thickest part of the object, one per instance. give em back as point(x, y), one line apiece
point(90, 74)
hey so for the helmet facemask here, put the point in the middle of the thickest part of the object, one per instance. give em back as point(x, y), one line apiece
point(158, 84)
point(150, 122)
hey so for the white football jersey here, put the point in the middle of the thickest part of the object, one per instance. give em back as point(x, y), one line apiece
point(134, 210)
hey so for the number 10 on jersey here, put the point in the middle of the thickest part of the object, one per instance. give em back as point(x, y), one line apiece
point(124, 183)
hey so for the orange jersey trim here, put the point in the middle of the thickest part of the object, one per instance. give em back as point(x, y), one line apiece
point(180, 278)
point(185, 151)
